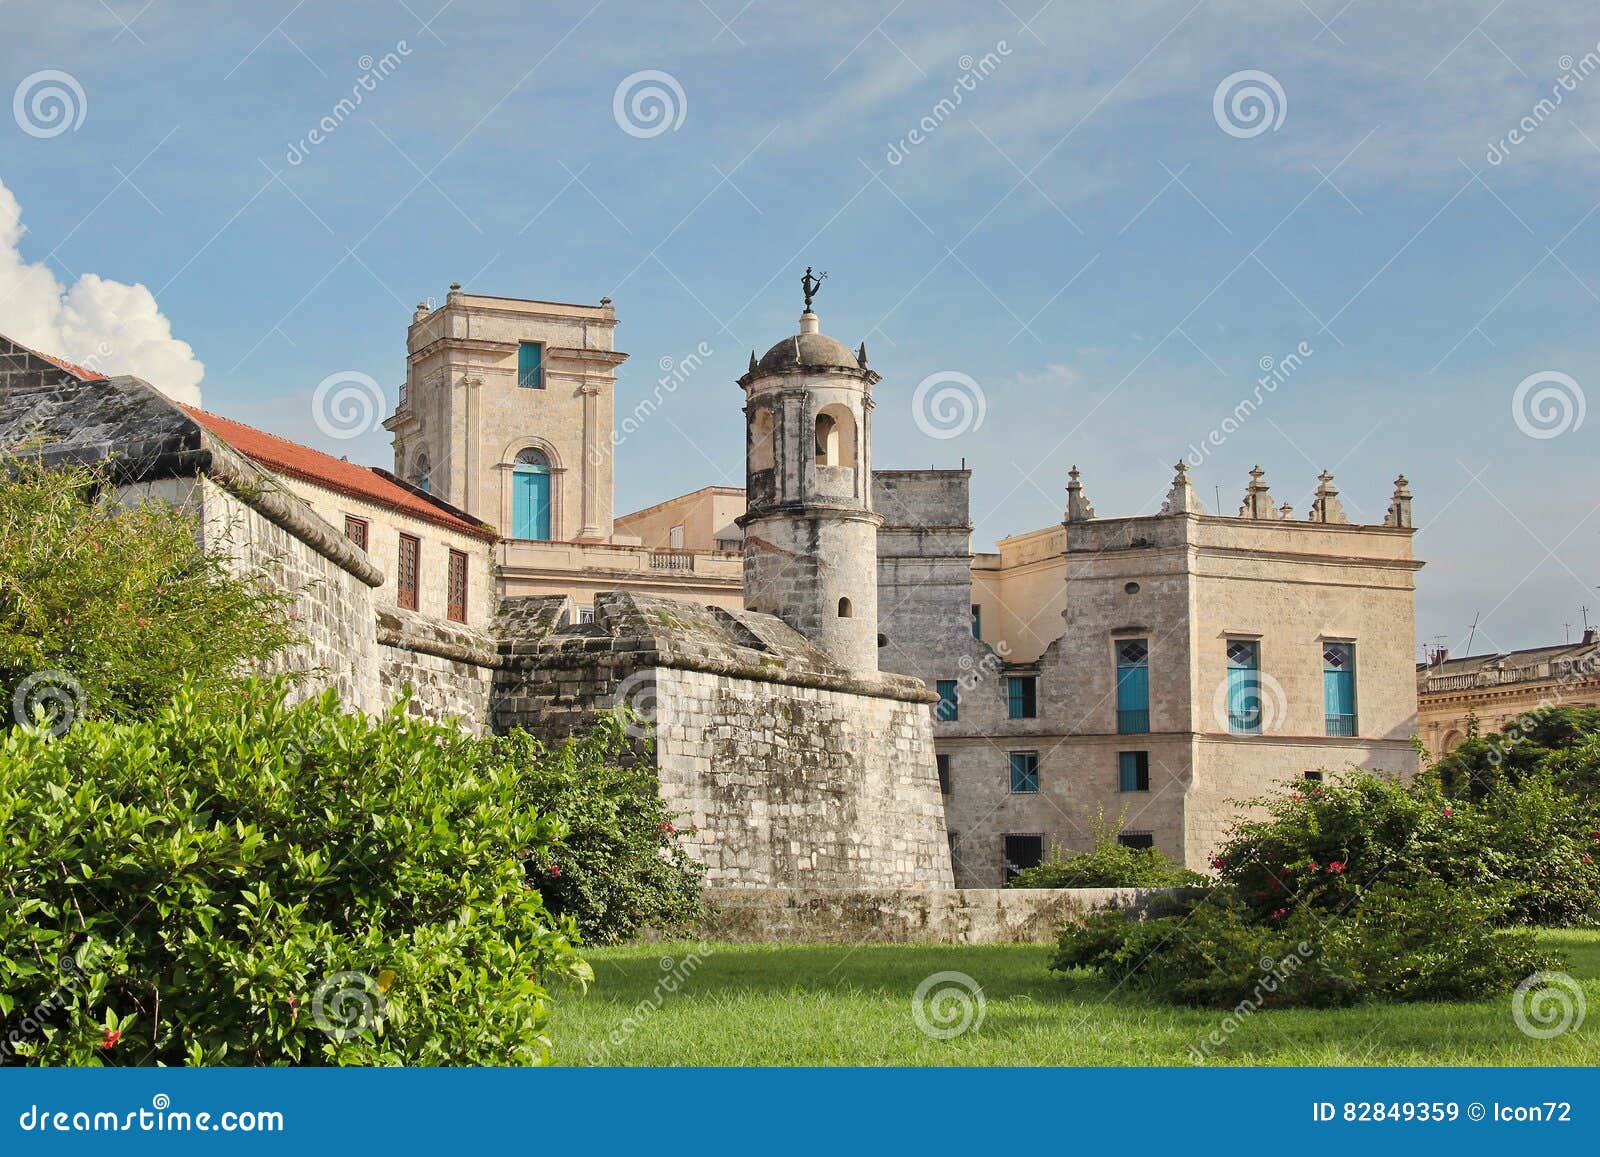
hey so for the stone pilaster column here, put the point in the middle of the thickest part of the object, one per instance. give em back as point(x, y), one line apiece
point(591, 460)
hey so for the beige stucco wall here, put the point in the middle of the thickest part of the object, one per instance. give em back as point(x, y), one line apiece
point(705, 515)
point(465, 409)
point(580, 571)
point(1022, 591)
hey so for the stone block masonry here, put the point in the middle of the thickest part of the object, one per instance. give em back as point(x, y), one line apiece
point(794, 771)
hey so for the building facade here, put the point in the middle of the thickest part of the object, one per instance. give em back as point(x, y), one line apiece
point(1489, 691)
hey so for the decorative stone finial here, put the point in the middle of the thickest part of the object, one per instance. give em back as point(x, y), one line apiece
point(1079, 508)
point(421, 311)
point(809, 286)
point(752, 361)
point(1286, 511)
point(1258, 499)
point(1399, 505)
point(1181, 498)
point(1325, 504)
point(861, 356)
point(605, 301)
point(455, 292)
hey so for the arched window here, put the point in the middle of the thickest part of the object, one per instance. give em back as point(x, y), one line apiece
point(845, 610)
point(530, 495)
point(836, 436)
point(761, 440)
point(421, 474)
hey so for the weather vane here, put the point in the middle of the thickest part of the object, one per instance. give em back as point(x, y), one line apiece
point(809, 285)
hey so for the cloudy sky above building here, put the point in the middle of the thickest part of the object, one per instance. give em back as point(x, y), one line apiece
point(1095, 229)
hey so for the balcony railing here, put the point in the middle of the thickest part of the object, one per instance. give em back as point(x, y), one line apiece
point(1133, 722)
point(671, 560)
point(1341, 725)
point(1244, 722)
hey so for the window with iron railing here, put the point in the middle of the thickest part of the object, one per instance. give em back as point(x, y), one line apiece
point(1244, 687)
point(1133, 686)
point(1339, 688)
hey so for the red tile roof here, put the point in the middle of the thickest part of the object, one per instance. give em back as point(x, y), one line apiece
point(285, 457)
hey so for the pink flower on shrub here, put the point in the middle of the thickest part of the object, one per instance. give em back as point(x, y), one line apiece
point(1219, 863)
point(555, 870)
point(1588, 859)
point(110, 1038)
point(1313, 866)
point(1335, 867)
point(666, 827)
point(1448, 813)
point(1594, 835)
point(1278, 913)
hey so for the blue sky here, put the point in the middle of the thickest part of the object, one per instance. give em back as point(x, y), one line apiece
point(1082, 236)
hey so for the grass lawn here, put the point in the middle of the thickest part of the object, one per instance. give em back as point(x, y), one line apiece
point(759, 1004)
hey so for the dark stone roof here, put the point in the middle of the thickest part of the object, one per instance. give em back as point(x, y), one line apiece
point(808, 351)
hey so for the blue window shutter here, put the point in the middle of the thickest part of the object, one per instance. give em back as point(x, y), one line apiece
point(948, 704)
point(530, 365)
point(530, 502)
point(1024, 771)
point(1339, 688)
point(1244, 687)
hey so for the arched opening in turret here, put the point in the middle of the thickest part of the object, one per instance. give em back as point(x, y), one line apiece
point(760, 455)
point(422, 472)
point(845, 609)
point(836, 436)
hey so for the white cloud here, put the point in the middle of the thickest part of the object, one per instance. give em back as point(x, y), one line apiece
point(101, 324)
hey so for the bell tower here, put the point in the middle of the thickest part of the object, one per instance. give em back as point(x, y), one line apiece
point(810, 534)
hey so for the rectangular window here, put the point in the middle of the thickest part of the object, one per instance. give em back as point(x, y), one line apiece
point(1244, 687)
point(977, 621)
point(585, 614)
point(943, 762)
point(948, 710)
point(457, 605)
point(1339, 687)
point(1021, 852)
point(1024, 772)
point(1137, 840)
point(1133, 686)
point(1134, 770)
point(406, 577)
point(355, 529)
point(675, 537)
point(1022, 696)
point(530, 365)
point(1314, 776)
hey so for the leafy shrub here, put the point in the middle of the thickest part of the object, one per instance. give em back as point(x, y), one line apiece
point(1108, 865)
point(620, 867)
point(114, 606)
point(225, 877)
point(1529, 841)
point(1482, 763)
point(1421, 941)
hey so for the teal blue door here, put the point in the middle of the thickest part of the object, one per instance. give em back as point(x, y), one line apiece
point(530, 501)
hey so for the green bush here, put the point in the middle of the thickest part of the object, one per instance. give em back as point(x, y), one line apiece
point(256, 883)
point(1421, 941)
point(620, 867)
point(1108, 865)
point(107, 608)
point(1322, 846)
point(1483, 763)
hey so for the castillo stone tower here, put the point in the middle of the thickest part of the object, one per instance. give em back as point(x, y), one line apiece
point(810, 533)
